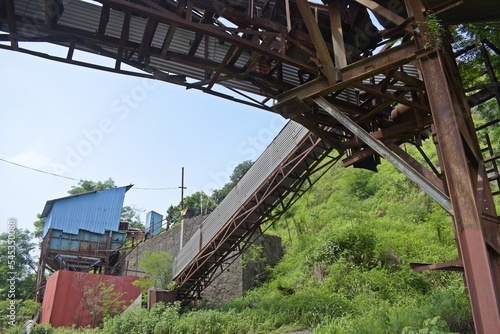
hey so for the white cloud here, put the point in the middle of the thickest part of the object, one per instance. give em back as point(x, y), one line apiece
point(32, 159)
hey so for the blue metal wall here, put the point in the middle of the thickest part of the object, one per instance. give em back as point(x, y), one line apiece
point(86, 242)
point(95, 212)
point(153, 222)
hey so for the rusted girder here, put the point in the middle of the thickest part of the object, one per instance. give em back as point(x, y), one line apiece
point(163, 15)
point(355, 72)
point(386, 153)
point(451, 266)
point(318, 41)
point(461, 179)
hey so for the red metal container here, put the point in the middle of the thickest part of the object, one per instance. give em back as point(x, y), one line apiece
point(68, 294)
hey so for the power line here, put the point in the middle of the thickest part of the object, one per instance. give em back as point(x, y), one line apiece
point(38, 170)
point(138, 188)
point(72, 178)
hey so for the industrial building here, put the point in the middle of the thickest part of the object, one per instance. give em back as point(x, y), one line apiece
point(82, 233)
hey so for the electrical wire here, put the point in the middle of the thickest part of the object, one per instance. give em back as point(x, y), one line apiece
point(38, 170)
point(72, 178)
point(138, 188)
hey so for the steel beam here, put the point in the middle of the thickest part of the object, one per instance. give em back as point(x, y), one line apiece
point(382, 11)
point(478, 270)
point(461, 180)
point(451, 266)
point(163, 15)
point(355, 72)
point(321, 49)
point(337, 35)
point(11, 17)
point(123, 39)
point(386, 153)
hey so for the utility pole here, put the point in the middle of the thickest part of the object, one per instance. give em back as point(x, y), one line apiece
point(181, 243)
point(182, 190)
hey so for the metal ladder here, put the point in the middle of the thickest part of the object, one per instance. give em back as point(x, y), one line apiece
point(492, 161)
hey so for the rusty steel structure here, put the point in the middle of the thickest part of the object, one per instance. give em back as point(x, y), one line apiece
point(363, 76)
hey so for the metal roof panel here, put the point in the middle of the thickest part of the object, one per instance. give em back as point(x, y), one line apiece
point(96, 211)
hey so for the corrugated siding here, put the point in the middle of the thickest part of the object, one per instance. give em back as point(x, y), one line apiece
point(85, 241)
point(153, 222)
point(270, 160)
point(94, 212)
point(63, 294)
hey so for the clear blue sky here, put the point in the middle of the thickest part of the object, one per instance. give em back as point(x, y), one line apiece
point(88, 124)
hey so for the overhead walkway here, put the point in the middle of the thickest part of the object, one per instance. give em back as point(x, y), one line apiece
point(287, 168)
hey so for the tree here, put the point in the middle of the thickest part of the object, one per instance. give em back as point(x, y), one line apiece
point(130, 214)
point(240, 170)
point(158, 266)
point(474, 39)
point(173, 215)
point(87, 185)
point(199, 202)
point(16, 264)
point(39, 224)
point(98, 297)
point(219, 194)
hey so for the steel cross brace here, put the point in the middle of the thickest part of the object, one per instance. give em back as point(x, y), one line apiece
point(386, 153)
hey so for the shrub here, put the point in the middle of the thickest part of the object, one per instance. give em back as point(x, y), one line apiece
point(160, 320)
point(355, 243)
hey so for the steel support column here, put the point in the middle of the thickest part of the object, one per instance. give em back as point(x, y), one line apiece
point(467, 216)
point(461, 181)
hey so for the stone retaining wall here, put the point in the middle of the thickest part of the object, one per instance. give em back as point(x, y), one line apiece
point(239, 277)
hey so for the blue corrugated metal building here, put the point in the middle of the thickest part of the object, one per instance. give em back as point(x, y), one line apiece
point(153, 222)
point(94, 211)
point(82, 233)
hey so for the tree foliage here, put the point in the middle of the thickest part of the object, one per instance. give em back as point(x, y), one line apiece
point(158, 268)
point(240, 170)
point(479, 39)
point(131, 215)
point(84, 186)
point(16, 264)
point(38, 224)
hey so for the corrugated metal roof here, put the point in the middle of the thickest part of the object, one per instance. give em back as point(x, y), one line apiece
point(85, 16)
point(95, 211)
